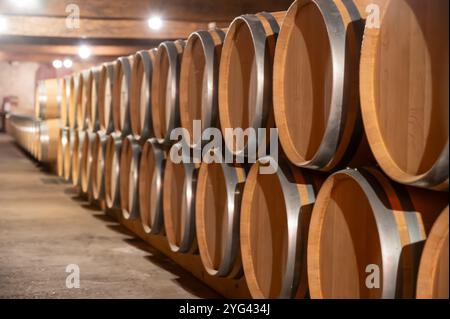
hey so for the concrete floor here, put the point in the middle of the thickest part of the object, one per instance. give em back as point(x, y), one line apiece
point(44, 227)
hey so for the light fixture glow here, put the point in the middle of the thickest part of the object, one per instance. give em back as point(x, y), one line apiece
point(25, 4)
point(57, 64)
point(3, 24)
point(84, 52)
point(155, 23)
point(67, 63)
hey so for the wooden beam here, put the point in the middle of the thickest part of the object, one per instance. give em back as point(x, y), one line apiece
point(96, 28)
point(181, 10)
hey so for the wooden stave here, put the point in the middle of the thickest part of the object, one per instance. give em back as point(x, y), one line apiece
point(428, 268)
point(211, 41)
point(188, 241)
point(62, 144)
point(105, 93)
point(142, 67)
point(130, 154)
point(120, 113)
point(86, 162)
point(264, 109)
point(98, 165)
point(65, 101)
point(174, 51)
point(68, 155)
point(76, 157)
point(73, 100)
point(231, 263)
point(152, 148)
point(294, 282)
point(112, 181)
point(437, 176)
point(379, 191)
point(84, 91)
point(93, 123)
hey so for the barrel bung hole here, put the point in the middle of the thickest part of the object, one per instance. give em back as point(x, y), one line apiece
point(306, 80)
point(349, 242)
point(194, 85)
point(214, 214)
point(268, 234)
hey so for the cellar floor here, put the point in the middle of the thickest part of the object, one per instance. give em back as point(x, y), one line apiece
point(44, 227)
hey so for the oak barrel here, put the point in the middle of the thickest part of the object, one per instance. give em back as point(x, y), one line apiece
point(245, 77)
point(165, 89)
point(404, 91)
point(432, 281)
point(122, 95)
point(217, 217)
point(275, 214)
point(98, 165)
point(151, 177)
point(366, 236)
point(112, 170)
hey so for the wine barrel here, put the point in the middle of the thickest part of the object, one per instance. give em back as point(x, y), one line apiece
point(199, 79)
point(432, 281)
point(275, 214)
point(122, 95)
point(141, 106)
point(65, 101)
point(86, 162)
point(74, 98)
point(62, 144)
point(217, 217)
point(245, 77)
point(130, 158)
point(179, 187)
point(35, 152)
point(366, 235)
point(48, 140)
point(105, 97)
point(165, 88)
point(93, 123)
point(76, 157)
point(315, 87)
point(404, 92)
point(151, 177)
point(85, 99)
point(98, 165)
point(48, 99)
point(112, 170)
point(68, 152)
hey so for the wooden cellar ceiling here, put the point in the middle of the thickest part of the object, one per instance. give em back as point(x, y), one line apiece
point(36, 31)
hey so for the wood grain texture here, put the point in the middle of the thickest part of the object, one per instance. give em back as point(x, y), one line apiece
point(316, 85)
point(404, 91)
point(362, 219)
point(275, 214)
point(432, 281)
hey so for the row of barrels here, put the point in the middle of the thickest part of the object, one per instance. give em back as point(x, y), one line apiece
point(38, 137)
point(292, 234)
point(342, 81)
point(344, 94)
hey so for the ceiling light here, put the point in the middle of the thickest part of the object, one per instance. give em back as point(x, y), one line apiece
point(25, 4)
point(84, 52)
point(57, 64)
point(67, 63)
point(155, 23)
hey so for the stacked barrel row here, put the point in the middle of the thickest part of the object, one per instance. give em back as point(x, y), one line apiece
point(38, 134)
point(361, 180)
